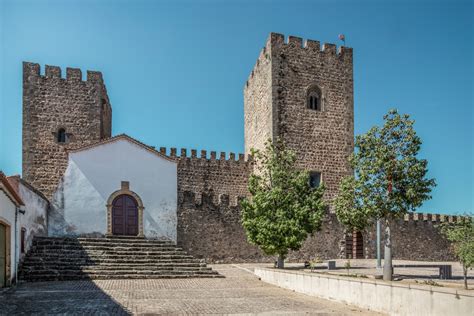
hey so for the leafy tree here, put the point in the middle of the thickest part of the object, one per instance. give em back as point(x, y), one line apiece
point(389, 180)
point(283, 208)
point(461, 234)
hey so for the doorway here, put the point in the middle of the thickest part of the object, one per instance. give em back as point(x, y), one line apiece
point(125, 216)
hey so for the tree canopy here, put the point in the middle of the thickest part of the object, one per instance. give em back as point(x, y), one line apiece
point(389, 179)
point(283, 208)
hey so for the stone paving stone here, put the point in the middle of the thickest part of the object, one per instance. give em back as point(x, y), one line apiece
point(239, 293)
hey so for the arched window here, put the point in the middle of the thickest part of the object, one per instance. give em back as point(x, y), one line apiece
point(314, 99)
point(61, 135)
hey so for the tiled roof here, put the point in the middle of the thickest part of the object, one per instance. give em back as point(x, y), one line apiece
point(10, 191)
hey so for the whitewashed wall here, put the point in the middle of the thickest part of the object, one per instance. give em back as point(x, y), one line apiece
point(7, 215)
point(92, 175)
point(34, 220)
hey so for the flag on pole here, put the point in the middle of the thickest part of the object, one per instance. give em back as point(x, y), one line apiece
point(342, 38)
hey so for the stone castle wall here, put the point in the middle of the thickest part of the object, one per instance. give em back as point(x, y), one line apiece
point(211, 174)
point(414, 237)
point(50, 103)
point(209, 227)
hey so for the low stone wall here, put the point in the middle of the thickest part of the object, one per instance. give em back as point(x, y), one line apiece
point(379, 296)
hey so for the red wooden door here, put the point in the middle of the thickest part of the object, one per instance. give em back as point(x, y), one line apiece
point(125, 216)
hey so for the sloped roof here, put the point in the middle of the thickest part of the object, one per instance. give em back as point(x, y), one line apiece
point(9, 190)
point(122, 137)
point(15, 181)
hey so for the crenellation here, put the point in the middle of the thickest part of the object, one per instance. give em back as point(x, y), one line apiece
point(222, 156)
point(52, 72)
point(312, 45)
point(203, 154)
point(241, 157)
point(73, 74)
point(329, 49)
point(231, 157)
point(193, 153)
point(295, 41)
point(184, 153)
point(163, 150)
point(173, 152)
point(213, 155)
point(94, 76)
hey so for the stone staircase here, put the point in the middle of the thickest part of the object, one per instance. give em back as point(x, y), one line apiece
point(54, 259)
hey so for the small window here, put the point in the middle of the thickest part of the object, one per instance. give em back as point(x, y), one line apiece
point(314, 99)
point(314, 179)
point(61, 135)
point(23, 240)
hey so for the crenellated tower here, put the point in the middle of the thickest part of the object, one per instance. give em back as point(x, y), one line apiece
point(60, 114)
point(303, 93)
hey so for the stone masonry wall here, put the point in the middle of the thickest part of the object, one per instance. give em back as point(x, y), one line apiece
point(414, 237)
point(275, 104)
point(51, 102)
point(209, 227)
point(258, 104)
point(322, 140)
point(207, 173)
point(212, 230)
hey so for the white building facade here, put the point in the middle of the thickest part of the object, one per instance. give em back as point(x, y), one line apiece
point(116, 187)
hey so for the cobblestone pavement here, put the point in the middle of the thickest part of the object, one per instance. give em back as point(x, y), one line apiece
point(239, 293)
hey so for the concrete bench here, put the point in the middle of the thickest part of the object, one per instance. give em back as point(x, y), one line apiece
point(445, 270)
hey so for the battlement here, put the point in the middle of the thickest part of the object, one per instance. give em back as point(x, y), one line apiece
point(33, 70)
point(428, 217)
point(277, 41)
point(218, 200)
point(193, 155)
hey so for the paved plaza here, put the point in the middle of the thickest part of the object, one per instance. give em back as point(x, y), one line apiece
point(239, 293)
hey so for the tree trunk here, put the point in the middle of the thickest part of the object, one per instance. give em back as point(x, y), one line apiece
point(387, 261)
point(465, 276)
point(281, 262)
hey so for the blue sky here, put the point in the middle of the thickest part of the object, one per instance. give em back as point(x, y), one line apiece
point(175, 70)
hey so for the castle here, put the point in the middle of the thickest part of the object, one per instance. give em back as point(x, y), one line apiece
point(99, 184)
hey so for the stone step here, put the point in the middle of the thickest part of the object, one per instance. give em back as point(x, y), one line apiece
point(112, 272)
point(55, 277)
point(105, 247)
point(98, 258)
point(86, 268)
point(117, 257)
point(127, 239)
point(89, 253)
point(68, 261)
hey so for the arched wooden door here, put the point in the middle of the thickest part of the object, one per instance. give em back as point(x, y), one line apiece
point(125, 216)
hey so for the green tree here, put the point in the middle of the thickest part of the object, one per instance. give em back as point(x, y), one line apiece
point(389, 180)
point(461, 234)
point(283, 208)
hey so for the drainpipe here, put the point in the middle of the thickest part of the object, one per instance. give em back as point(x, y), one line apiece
point(21, 210)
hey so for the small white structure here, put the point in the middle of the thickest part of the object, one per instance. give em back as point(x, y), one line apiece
point(118, 186)
point(10, 206)
point(34, 220)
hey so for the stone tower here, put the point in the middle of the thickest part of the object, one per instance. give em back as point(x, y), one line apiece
point(304, 95)
point(60, 114)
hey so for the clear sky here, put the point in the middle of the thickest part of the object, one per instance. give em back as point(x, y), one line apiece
point(175, 70)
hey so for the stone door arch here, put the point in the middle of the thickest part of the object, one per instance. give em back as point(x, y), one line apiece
point(125, 213)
